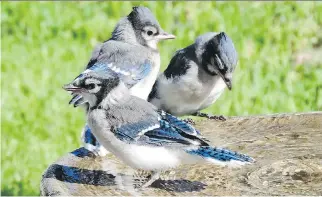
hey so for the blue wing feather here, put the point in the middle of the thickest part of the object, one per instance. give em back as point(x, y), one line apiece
point(129, 132)
point(165, 135)
point(130, 73)
point(168, 130)
point(137, 73)
point(178, 123)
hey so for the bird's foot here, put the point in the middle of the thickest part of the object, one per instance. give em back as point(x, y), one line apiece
point(189, 121)
point(153, 177)
point(211, 117)
point(145, 181)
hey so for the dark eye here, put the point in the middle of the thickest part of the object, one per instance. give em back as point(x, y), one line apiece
point(150, 33)
point(90, 86)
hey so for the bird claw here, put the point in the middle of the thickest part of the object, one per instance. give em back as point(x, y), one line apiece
point(153, 177)
point(220, 117)
point(142, 181)
point(210, 117)
point(189, 121)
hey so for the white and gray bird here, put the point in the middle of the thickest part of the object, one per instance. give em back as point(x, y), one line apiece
point(138, 133)
point(196, 76)
point(132, 53)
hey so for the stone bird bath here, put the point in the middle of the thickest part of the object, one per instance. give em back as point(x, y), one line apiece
point(287, 148)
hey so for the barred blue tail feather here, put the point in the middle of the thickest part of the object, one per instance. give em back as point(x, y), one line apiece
point(221, 156)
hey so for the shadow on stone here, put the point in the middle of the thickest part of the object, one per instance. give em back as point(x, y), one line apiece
point(81, 176)
point(179, 185)
point(76, 175)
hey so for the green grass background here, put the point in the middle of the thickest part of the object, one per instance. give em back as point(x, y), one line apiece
point(46, 44)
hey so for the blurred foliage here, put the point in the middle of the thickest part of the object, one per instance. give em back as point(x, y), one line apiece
point(46, 44)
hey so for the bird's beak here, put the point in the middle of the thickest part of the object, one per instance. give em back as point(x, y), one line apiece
point(227, 79)
point(164, 36)
point(72, 88)
point(229, 85)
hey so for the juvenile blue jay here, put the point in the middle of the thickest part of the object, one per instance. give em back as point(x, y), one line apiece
point(196, 76)
point(138, 133)
point(132, 53)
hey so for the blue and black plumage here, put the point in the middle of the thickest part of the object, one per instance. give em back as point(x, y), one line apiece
point(131, 53)
point(167, 129)
point(196, 76)
point(141, 135)
point(88, 137)
point(220, 154)
point(172, 131)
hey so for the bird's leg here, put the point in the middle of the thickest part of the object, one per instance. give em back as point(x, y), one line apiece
point(152, 177)
point(212, 117)
point(140, 177)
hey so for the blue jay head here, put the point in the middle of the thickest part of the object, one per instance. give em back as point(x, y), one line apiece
point(94, 86)
point(220, 57)
point(147, 29)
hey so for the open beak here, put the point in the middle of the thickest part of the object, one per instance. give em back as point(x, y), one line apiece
point(71, 88)
point(165, 36)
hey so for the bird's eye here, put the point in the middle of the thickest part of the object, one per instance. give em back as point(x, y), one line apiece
point(90, 86)
point(150, 33)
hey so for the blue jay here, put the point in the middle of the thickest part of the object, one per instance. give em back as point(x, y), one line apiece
point(132, 53)
point(141, 135)
point(196, 76)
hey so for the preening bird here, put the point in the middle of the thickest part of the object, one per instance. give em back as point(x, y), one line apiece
point(196, 76)
point(132, 53)
point(138, 133)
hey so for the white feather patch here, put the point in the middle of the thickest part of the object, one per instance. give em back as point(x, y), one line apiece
point(119, 70)
point(187, 94)
point(146, 130)
point(90, 80)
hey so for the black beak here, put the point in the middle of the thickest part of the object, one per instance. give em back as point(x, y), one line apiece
point(228, 83)
point(227, 79)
